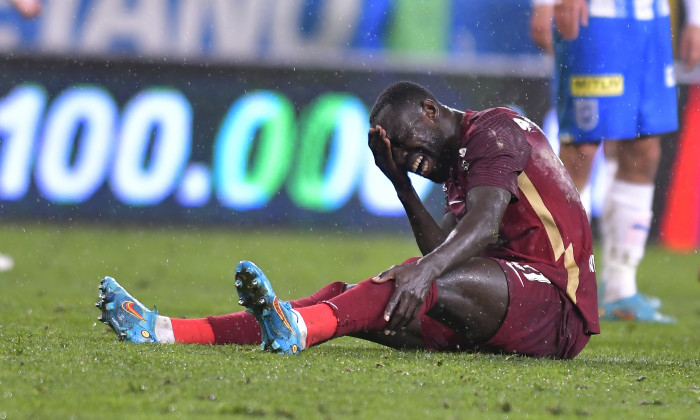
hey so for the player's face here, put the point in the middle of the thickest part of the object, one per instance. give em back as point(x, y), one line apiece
point(420, 146)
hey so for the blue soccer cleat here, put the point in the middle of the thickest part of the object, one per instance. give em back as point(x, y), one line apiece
point(634, 308)
point(652, 301)
point(129, 319)
point(283, 330)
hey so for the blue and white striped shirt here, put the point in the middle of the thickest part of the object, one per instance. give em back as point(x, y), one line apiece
point(636, 9)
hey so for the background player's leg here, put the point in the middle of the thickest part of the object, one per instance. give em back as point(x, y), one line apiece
point(610, 150)
point(638, 160)
point(578, 161)
point(627, 215)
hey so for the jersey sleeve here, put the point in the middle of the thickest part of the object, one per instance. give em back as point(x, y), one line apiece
point(497, 151)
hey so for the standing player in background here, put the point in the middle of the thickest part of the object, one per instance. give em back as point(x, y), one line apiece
point(616, 84)
point(509, 268)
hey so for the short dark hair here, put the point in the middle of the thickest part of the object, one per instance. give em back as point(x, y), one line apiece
point(399, 95)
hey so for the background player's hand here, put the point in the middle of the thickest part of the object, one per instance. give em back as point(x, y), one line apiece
point(541, 26)
point(412, 286)
point(380, 145)
point(569, 15)
point(28, 8)
point(689, 50)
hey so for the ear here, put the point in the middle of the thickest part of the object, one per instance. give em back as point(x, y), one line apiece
point(430, 108)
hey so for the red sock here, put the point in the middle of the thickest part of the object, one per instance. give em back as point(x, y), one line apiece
point(196, 331)
point(362, 307)
point(327, 292)
point(237, 328)
point(320, 321)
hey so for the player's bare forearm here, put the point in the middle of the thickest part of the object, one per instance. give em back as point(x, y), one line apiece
point(429, 235)
point(426, 231)
point(477, 229)
point(474, 232)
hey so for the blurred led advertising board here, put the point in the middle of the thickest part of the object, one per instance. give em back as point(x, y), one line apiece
point(174, 143)
point(301, 33)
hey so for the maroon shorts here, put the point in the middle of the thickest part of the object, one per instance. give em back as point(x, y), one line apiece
point(541, 321)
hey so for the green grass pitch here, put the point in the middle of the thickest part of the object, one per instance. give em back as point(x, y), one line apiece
point(57, 361)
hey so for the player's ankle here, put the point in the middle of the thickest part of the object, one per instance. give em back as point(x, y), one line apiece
point(619, 281)
point(164, 330)
point(320, 323)
point(303, 330)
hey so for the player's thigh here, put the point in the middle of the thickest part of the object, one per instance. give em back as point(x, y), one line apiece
point(472, 299)
point(541, 321)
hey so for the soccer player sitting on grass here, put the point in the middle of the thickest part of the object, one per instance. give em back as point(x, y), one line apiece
point(509, 270)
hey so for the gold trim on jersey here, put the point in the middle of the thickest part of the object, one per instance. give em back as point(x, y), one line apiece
point(555, 239)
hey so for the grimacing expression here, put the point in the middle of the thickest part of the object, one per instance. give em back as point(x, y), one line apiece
point(419, 146)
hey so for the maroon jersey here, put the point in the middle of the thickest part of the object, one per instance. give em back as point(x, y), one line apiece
point(545, 225)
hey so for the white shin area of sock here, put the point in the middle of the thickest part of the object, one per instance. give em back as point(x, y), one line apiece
point(303, 331)
point(610, 171)
point(625, 228)
point(164, 330)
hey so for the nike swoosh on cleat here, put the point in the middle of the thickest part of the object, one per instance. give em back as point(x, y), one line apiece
point(128, 306)
point(278, 309)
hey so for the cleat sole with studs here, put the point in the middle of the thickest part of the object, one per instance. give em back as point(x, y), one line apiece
point(126, 327)
point(256, 294)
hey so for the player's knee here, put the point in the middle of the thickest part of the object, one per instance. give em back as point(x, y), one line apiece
point(639, 165)
point(647, 149)
point(578, 160)
point(482, 282)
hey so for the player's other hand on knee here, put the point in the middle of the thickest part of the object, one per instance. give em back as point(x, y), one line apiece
point(412, 286)
point(569, 15)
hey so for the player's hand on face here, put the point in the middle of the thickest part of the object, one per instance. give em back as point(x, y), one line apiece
point(569, 15)
point(689, 50)
point(380, 145)
point(412, 286)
